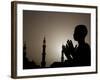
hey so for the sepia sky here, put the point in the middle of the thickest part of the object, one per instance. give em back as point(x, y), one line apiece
point(57, 27)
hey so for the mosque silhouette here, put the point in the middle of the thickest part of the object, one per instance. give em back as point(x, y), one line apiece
point(75, 56)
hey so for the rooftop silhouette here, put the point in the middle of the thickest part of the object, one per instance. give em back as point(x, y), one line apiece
point(26, 63)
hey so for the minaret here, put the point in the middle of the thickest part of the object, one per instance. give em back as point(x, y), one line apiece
point(43, 63)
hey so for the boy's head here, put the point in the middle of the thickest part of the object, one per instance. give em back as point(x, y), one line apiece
point(80, 32)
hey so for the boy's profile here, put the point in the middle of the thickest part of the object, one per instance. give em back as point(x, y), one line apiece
point(78, 55)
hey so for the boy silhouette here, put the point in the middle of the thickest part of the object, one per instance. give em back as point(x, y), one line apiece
point(78, 55)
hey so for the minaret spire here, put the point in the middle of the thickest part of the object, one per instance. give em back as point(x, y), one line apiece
point(43, 63)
